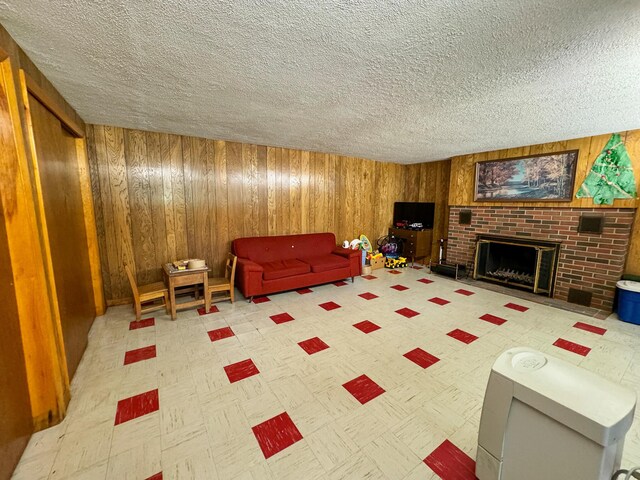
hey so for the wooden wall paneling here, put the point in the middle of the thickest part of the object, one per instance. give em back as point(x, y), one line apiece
point(139, 197)
point(200, 196)
point(234, 192)
point(167, 198)
point(189, 174)
point(295, 191)
point(318, 195)
point(93, 247)
point(305, 209)
point(223, 221)
point(155, 172)
point(282, 186)
point(272, 192)
point(632, 143)
point(99, 207)
point(211, 205)
point(263, 194)
point(331, 194)
point(116, 164)
point(178, 196)
point(341, 208)
point(250, 190)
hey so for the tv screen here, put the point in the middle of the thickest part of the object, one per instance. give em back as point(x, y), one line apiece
point(414, 212)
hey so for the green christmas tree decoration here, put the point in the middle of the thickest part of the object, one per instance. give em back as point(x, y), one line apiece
point(611, 175)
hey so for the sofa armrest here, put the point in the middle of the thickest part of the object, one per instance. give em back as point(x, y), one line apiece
point(354, 257)
point(347, 252)
point(249, 277)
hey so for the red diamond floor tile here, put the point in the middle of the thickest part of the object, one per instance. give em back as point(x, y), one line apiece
point(421, 358)
point(276, 434)
point(515, 306)
point(369, 277)
point(363, 389)
point(439, 301)
point(212, 309)
point(137, 406)
point(241, 370)
point(572, 347)
point(328, 306)
point(451, 463)
point(340, 283)
point(407, 312)
point(366, 326)
point(394, 272)
point(261, 300)
point(425, 280)
point(313, 345)
point(461, 335)
point(400, 288)
point(157, 476)
point(220, 333)
point(368, 296)
point(590, 328)
point(487, 317)
point(464, 292)
point(302, 291)
point(145, 322)
point(139, 354)
point(415, 267)
point(281, 318)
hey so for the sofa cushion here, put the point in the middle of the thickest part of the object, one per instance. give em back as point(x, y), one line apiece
point(284, 247)
point(284, 268)
point(324, 263)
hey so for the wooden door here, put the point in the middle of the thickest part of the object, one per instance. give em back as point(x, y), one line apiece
point(61, 192)
point(15, 419)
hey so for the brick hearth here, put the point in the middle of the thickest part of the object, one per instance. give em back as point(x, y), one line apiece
point(590, 262)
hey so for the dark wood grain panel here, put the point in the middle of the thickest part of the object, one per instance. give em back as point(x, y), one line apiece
point(139, 196)
point(58, 168)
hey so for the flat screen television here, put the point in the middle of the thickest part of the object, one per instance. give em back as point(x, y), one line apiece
point(414, 212)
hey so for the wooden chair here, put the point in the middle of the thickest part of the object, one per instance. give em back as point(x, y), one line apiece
point(224, 284)
point(147, 293)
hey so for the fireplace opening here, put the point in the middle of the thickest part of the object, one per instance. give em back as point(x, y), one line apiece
point(528, 264)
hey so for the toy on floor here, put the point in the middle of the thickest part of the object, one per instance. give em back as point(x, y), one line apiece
point(399, 262)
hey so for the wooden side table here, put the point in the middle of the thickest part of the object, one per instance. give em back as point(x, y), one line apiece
point(174, 278)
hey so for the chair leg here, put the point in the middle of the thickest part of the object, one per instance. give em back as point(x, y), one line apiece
point(138, 309)
point(231, 292)
point(167, 303)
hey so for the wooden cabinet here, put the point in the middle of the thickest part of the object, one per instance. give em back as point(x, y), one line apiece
point(417, 243)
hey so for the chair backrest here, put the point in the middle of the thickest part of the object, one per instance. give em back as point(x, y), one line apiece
point(230, 269)
point(132, 281)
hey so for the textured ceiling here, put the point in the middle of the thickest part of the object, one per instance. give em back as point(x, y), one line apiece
point(401, 81)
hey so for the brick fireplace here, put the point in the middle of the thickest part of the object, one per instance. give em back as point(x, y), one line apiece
point(588, 264)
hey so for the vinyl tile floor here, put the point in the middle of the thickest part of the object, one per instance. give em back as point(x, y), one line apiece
point(382, 378)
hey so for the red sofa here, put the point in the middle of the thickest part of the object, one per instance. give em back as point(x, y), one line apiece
point(275, 264)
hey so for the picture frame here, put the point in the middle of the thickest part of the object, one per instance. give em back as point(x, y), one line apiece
point(546, 177)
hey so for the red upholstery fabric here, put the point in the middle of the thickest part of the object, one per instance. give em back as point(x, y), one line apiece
point(324, 263)
point(284, 268)
point(268, 264)
point(284, 247)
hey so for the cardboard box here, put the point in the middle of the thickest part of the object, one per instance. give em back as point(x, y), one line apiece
point(377, 263)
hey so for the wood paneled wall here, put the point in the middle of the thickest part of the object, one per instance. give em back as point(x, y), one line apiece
point(160, 197)
point(463, 169)
point(461, 186)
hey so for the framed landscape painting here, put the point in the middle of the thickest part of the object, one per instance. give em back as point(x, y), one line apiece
point(535, 178)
